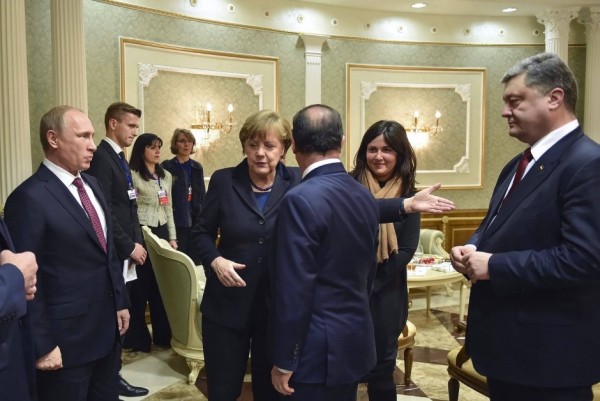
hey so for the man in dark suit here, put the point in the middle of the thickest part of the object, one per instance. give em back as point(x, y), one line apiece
point(325, 265)
point(109, 166)
point(17, 285)
point(80, 310)
point(535, 259)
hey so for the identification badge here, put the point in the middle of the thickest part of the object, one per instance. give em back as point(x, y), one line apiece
point(189, 198)
point(163, 198)
point(132, 193)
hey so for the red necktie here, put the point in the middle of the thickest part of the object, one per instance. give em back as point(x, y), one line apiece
point(525, 159)
point(91, 212)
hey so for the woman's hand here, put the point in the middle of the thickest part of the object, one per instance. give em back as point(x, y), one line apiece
point(226, 272)
point(173, 243)
point(424, 201)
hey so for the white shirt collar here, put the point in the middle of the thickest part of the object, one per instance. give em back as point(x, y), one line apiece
point(540, 147)
point(113, 145)
point(63, 175)
point(319, 164)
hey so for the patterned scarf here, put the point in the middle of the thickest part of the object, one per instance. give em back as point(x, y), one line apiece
point(388, 242)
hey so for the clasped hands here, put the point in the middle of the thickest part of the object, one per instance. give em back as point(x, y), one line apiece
point(27, 264)
point(468, 261)
point(225, 270)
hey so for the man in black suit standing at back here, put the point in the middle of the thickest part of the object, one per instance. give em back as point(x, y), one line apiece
point(110, 167)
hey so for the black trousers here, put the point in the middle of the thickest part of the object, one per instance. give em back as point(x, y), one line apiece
point(93, 381)
point(504, 391)
point(142, 291)
point(320, 392)
point(226, 353)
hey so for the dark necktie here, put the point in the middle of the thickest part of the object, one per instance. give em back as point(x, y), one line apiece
point(91, 212)
point(525, 159)
point(124, 162)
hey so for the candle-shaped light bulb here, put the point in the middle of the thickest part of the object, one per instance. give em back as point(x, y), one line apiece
point(208, 110)
point(416, 115)
point(437, 118)
point(230, 108)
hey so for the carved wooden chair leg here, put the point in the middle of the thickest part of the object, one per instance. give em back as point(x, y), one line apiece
point(408, 362)
point(453, 386)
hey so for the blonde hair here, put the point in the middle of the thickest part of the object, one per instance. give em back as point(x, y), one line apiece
point(185, 133)
point(258, 124)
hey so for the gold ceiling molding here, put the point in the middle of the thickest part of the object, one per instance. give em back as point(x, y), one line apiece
point(118, 3)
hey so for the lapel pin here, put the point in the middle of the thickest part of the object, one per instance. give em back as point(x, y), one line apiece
point(541, 167)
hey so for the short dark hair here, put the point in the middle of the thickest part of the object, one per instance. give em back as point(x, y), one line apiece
point(544, 72)
point(116, 111)
point(137, 162)
point(395, 136)
point(317, 129)
point(53, 119)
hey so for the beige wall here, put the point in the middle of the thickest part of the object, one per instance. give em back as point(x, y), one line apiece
point(104, 23)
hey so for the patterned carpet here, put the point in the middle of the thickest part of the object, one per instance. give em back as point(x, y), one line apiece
point(164, 372)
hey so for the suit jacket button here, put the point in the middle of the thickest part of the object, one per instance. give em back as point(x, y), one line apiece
point(259, 260)
point(261, 241)
point(261, 221)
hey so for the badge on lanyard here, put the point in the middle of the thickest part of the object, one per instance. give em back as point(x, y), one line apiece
point(132, 193)
point(189, 198)
point(163, 198)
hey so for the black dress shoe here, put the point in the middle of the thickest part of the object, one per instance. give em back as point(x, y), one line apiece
point(127, 390)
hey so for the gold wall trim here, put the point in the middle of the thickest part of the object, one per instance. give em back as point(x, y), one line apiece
point(123, 41)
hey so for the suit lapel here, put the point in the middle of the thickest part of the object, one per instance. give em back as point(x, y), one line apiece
point(242, 186)
point(539, 172)
point(66, 199)
point(117, 161)
point(5, 240)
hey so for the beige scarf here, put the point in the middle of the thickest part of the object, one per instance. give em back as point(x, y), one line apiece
point(388, 242)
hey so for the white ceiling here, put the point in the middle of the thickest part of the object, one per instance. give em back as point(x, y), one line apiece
point(460, 7)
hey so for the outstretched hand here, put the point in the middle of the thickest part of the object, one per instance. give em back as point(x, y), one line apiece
point(424, 201)
point(226, 272)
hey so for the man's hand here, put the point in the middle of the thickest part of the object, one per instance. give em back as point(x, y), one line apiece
point(226, 272)
point(477, 266)
point(457, 257)
point(173, 243)
point(52, 361)
point(27, 264)
point(281, 381)
point(424, 201)
point(123, 320)
point(139, 254)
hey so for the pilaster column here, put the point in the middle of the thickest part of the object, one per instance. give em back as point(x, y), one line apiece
point(68, 53)
point(313, 45)
point(15, 148)
point(556, 22)
point(591, 120)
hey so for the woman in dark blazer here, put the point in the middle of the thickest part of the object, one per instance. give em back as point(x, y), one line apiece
point(386, 164)
point(241, 207)
point(188, 188)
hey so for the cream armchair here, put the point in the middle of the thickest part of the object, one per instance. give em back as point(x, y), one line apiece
point(181, 285)
point(431, 242)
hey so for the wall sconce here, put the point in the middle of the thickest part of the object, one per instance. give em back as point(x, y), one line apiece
point(206, 130)
point(419, 135)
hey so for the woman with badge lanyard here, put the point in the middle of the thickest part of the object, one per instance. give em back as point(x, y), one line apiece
point(188, 188)
point(153, 185)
